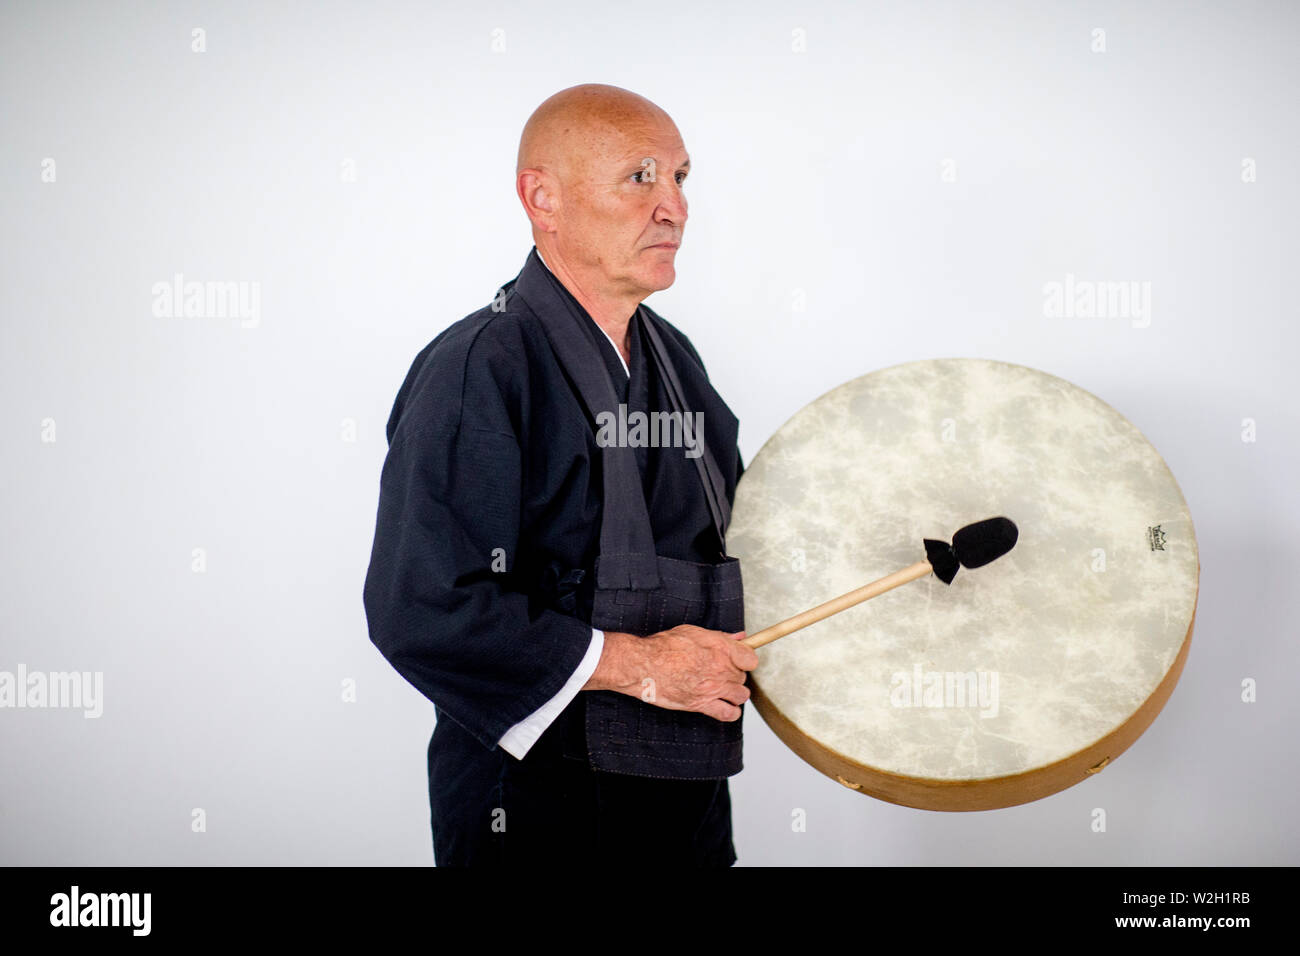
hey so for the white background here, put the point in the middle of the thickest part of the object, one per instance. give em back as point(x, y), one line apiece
point(815, 174)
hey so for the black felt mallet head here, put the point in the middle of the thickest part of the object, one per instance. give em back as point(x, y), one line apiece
point(972, 547)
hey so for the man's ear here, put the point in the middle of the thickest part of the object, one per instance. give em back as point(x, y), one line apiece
point(538, 195)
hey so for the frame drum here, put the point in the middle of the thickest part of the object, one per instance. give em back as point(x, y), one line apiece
point(1022, 677)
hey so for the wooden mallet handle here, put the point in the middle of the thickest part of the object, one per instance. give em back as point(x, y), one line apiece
point(834, 606)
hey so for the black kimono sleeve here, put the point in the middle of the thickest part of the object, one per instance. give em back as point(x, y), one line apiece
point(449, 506)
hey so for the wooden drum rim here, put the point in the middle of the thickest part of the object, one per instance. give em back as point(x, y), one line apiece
point(991, 793)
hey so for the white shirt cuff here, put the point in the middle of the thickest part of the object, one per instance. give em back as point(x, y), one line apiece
point(521, 737)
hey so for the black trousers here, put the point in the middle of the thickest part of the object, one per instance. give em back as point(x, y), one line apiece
point(547, 810)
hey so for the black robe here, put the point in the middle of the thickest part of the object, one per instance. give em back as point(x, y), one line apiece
point(493, 460)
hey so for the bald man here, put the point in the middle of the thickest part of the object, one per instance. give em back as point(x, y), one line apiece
point(549, 564)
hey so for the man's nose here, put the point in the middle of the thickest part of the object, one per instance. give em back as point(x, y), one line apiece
point(672, 202)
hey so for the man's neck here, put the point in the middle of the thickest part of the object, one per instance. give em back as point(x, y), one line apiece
point(611, 318)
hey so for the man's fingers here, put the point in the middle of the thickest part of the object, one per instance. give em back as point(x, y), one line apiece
point(735, 675)
point(735, 694)
point(721, 710)
point(726, 687)
point(743, 656)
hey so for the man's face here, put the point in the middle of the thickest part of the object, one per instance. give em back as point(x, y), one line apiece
point(621, 203)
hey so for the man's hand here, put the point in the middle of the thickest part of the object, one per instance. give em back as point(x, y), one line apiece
point(686, 668)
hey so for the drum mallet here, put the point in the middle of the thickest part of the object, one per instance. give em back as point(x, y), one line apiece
point(972, 547)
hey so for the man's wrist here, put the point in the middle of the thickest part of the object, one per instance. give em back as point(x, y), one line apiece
point(611, 672)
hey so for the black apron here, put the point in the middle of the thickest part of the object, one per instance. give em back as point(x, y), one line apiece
point(634, 590)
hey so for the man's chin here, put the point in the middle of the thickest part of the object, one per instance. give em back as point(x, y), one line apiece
point(661, 278)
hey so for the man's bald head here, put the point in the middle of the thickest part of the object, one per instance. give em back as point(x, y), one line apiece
point(581, 122)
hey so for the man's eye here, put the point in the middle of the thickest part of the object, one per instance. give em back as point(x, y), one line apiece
point(636, 177)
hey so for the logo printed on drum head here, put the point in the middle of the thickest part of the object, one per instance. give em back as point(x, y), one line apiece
point(961, 689)
point(1156, 538)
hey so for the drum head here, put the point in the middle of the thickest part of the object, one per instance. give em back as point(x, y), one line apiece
point(1020, 678)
